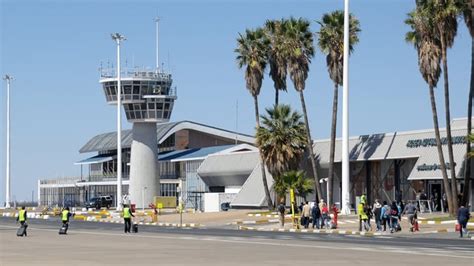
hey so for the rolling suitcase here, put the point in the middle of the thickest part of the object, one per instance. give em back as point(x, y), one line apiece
point(22, 230)
point(135, 228)
point(63, 229)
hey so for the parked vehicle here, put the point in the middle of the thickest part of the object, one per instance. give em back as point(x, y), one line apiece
point(100, 202)
point(225, 206)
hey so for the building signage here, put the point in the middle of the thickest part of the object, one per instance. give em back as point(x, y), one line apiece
point(429, 142)
point(432, 167)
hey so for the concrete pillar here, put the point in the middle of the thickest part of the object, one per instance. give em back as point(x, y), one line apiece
point(144, 179)
point(368, 181)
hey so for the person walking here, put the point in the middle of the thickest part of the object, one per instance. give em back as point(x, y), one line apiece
point(305, 214)
point(316, 215)
point(463, 217)
point(325, 216)
point(361, 212)
point(65, 214)
point(22, 215)
point(385, 215)
point(127, 218)
point(281, 212)
point(394, 212)
point(377, 210)
point(411, 212)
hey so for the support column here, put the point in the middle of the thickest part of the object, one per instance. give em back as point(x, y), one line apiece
point(398, 196)
point(368, 181)
point(144, 178)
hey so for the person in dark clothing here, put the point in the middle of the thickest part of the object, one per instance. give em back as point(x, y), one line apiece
point(316, 215)
point(281, 212)
point(394, 217)
point(463, 217)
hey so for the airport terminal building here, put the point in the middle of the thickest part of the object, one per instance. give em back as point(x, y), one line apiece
point(210, 166)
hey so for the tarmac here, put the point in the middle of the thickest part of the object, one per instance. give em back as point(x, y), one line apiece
point(105, 244)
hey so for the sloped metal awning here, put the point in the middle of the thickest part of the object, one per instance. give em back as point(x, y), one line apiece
point(97, 159)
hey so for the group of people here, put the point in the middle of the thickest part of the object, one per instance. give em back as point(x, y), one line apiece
point(318, 215)
point(65, 216)
point(22, 217)
point(386, 215)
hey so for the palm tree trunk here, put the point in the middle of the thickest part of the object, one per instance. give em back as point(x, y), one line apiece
point(440, 149)
point(452, 168)
point(264, 176)
point(317, 188)
point(467, 174)
point(276, 96)
point(333, 144)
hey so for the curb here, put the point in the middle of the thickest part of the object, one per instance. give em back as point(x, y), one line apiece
point(315, 231)
point(263, 221)
point(190, 225)
point(339, 232)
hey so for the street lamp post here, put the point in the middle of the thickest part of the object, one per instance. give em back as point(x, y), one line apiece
point(327, 188)
point(143, 198)
point(345, 116)
point(8, 78)
point(117, 37)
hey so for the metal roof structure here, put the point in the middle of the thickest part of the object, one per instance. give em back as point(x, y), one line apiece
point(97, 159)
point(108, 141)
point(252, 193)
point(192, 154)
point(230, 169)
point(420, 145)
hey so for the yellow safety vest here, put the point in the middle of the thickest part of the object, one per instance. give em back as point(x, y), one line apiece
point(126, 213)
point(362, 214)
point(21, 216)
point(65, 215)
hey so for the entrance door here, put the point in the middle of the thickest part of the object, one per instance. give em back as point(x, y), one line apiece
point(435, 196)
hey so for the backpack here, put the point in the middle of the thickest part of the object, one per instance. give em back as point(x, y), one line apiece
point(394, 212)
point(387, 212)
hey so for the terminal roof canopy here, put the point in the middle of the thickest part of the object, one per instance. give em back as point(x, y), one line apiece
point(417, 145)
point(108, 141)
point(97, 159)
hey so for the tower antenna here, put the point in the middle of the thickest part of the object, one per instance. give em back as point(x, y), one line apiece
point(157, 21)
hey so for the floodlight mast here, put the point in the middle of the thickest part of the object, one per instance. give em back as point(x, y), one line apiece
point(118, 38)
point(345, 117)
point(8, 79)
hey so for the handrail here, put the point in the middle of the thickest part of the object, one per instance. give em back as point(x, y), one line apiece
point(134, 73)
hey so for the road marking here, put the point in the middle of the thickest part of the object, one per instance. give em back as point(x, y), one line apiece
point(213, 239)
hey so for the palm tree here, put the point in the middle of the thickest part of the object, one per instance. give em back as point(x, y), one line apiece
point(281, 139)
point(300, 50)
point(275, 34)
point(468, 14)
point(444, 15)
point(295, 180)
point(251, 53)
point(331, 43)
point(425, 39)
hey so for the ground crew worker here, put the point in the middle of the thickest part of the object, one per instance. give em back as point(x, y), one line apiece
point(65, 216)
point(362, 215)
point(127, 218)
point(22, 217)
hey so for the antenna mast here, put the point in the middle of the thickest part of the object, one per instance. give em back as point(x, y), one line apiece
point(157, 20)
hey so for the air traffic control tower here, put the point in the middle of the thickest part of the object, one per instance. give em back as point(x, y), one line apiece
point(148, 98)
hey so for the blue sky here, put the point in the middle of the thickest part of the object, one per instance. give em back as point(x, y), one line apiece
point(54, 49)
